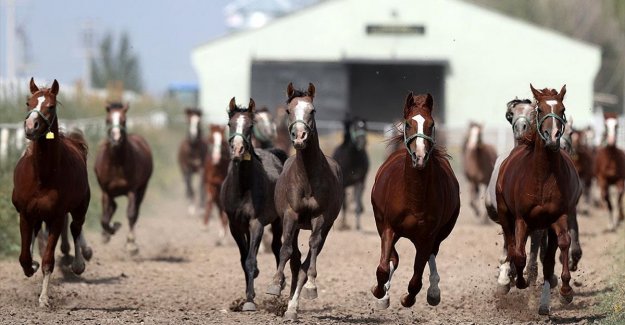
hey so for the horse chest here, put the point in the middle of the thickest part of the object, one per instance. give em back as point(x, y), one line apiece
point(43, 202)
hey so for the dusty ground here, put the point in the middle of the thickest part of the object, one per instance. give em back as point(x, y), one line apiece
point(181, 276)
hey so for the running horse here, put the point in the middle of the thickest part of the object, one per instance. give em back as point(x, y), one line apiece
point(308, 195)
point(583, 158)
point(215, 170)
point(538, 188)
point(610, 170)
point(283, 141)
point(478, 161)
point(123, 166)
point(264, 129)
point(247, 194)
point(405, 187)
point(352, 157)
point(191, 155)
point(50, 180)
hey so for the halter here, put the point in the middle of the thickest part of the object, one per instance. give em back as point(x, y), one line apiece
point(356, 133)
point(540, 122)
point(408, 139)
point(308, 128)
point(246, 140)
point(48, 122)
point(521, 117)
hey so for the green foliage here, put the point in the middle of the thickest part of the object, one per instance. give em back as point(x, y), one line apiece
point(112, 67)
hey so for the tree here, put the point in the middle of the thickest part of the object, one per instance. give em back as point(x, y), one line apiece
point(120, 67)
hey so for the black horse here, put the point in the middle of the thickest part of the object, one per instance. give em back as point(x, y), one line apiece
point(352, 156)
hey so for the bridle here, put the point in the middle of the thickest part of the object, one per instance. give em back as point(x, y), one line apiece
point(309, 129)
point(409, 139)
point(539, 122)
point(45, 119)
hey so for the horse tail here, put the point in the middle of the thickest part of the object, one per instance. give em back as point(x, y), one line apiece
point(78, 138)
point(279, 153)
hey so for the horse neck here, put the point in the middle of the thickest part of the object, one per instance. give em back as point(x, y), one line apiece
point(544, 160)
point(310, 158)
point(121, 151)
point(242, 176)
point(347, 137)
point(416, 182)
point(46, 153)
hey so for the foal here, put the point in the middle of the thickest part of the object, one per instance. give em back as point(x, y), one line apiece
point(50, 181)
point(308, 195)
point(352, 156)
point(191, 155)
point(416, 196)
point(264, 129)
point(478, 161)
point(123, 166)
point(215, 170)
point(247, 194)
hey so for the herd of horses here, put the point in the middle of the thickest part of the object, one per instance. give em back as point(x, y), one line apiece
point(250, 179)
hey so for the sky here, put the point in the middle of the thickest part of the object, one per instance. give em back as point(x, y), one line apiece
point(163, 34)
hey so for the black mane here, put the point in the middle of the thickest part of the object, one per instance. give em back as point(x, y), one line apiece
point(297, 93)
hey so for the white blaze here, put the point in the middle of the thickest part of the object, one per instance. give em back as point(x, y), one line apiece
point(610, 125)
point(300, 109)
point(473, 137)
point(194, 121)
point(554, 127)
point(116, 132)
point(37, 108)
point(216, 154)
point(420, 151)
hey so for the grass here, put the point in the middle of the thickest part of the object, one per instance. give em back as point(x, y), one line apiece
point(613, 303)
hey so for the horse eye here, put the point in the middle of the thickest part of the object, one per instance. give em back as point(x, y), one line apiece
point(288, 111)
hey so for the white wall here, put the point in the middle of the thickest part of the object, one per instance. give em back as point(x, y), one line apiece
point(492, 58)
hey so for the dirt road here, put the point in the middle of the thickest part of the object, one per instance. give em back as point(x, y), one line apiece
point(181, 276)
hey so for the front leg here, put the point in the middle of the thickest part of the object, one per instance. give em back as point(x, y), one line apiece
point(358, 190)
point(108, 209)
point(26, 258)
point(251, 267)
point(289, 223)
point(47, 263)
point(519, 256)
point(564, 242)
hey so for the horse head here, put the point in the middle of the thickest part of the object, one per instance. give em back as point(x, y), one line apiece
point(217, 143)
point(550, 117)
point(474, 136)
point(116, 122)
point(194, 122)
point(41, 114)
point(611, 126)
point(241, 121)
point(264, 127)
point(419, 130)
point(301, 115)
point(518, 114)
point(357, 128)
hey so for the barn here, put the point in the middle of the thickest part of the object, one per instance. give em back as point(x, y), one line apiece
point(364, 56)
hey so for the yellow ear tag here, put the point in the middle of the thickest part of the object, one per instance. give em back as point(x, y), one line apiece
point(247, 156)
point(49, 135)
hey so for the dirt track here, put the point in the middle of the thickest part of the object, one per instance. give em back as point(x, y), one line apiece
point(181, 276)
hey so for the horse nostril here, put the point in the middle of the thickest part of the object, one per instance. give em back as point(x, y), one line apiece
point(303, 135)
point(293, 135)
point(523, 127)
point(36, 126)
point(558, 133)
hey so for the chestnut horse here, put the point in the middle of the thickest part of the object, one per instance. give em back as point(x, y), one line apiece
point(538, 188)
point(610, 170)
point(352, 156)
point(583, 158)
point(123, 166)
point(309, 194)
point(215, 170)
point(247, 194)
point(405, 187)
point(191, 155)
point(478, 161)
point(50, 181)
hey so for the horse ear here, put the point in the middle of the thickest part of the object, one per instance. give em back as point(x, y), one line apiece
point(126, 107)
point(251, 106)
point(429, 101)
point(562, 92)
point(33, 87)
point(311, 90)
point(108, 107)
point(55, 88)
point(509, 115)
point(232, 106)
point(290, 90)
point(409, 103)
point(535, 92)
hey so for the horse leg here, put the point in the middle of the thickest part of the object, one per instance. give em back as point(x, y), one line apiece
point(434, 293)
point(251, 266)
point(605, 193)
point(504, 277)
point(536, 238)
point(65, 239)
point(26, 258)
point(343, 225)
point(359, 188)
point(290, 231)
point(475, 193)
point(519, 257)
point(316, 241)
point(576, 249)
point(134, 202)
point(416, 282)
point(276, 241)
point(208, 208)
point(47, 262)
point(108, 209)
point(564, 241)
point(620, 185)
point(295, 264)
point(190, 194)
point(389, 261)
point(548, 266)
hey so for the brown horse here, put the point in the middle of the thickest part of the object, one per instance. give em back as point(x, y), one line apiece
point(282, 142)
point(478, 161)
point(215, 170)
point(50, 181)
point(583, 158)
point(538, 188)
point(247, 194)
point(191, 155)
point(610, 170)
point(405, 187)
point(123, 166)
point(308, 195)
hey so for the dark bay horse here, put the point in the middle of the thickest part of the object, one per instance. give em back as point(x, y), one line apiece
point(247, 194)
point(191, 154)
point(264, 130)
point(123, 166)
point(215, 170)
point(405, 187)
point(478, 162)
point(352, 157)
point(308, 195)
point(50, 181)
point(283, 140)
point(610, 170)
point(538, 188)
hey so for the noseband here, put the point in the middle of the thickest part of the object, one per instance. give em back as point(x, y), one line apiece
point(409, 139)
point(48, 122)
point(355, 133)
point(308, 128)
point(539, 123)
point(521, 117)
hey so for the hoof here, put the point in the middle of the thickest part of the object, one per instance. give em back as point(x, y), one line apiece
point(44, 302)
point(434, 297)
point(274, 290)
point(309, 293)
point(78, 267)
point(543, 310)
point(566, 299)
point(503, 289)
point(87, 253)
point(408, 301)
point(553, 282)
point(106, 238)
point(66, 260)
point(249, 306)
point(343, 227)
point(290, 315)
point(132, 248)
point(383, 303)
point(35, 267)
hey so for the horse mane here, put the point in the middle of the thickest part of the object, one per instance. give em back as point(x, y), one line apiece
point(115, 105)
point(262, 110)
point(239, 109)
point(78, 138)
point(517, 101)
point(297, 93)
point(438, 151)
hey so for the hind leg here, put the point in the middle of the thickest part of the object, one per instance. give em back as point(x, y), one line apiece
point(389, 261)
point(65, 238)
point(359, 188)
point(47, 263)
point(576, 249)
point(276, 241)
point(536, 238)
point(416, 282)
point(189, 193)
point(134, 203)
point(289, 234)
point(620, 185)
point(548, 266)
point(343, 225)
point(82, 251)
point(108, 209)
point(605, 194)
point(475, 193)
